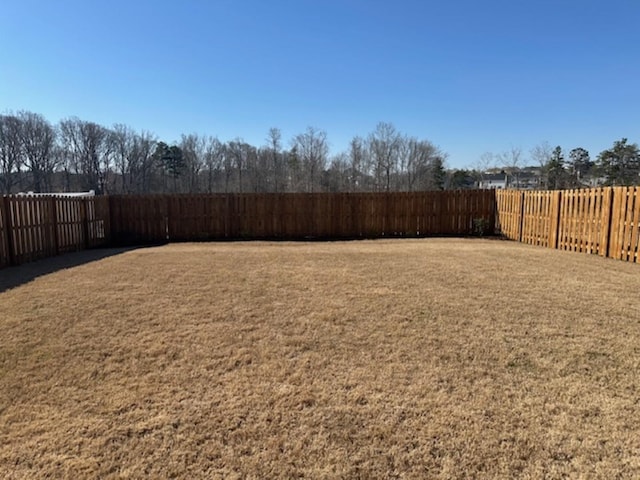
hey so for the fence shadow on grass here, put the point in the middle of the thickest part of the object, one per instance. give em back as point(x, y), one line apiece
point(12, 277)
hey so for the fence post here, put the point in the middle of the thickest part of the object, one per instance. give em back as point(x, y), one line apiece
point(492, 200)
point(54, 225)
point(106, 220)
point(85, 222)
point(557, 202)
point(521, 216)
point(167, 219)
point(8, 227)
point(609, 223)
point(113, 239)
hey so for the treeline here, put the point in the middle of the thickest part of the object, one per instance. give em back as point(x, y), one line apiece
point(78, 155)
point(554, 169)
point(618, 165)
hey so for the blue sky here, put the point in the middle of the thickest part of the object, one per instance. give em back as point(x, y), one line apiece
point(469, 76)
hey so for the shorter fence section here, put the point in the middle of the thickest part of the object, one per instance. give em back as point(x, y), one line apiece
point(601, 221)
point(34, 227)
point(158, 219)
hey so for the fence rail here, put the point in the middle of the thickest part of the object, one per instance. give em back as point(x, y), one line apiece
point(602, 221)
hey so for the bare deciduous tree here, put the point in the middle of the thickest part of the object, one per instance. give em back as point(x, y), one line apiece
point(277, 165)
point(213, 160)
point(336, 177)
point(541, 154)
point(359, 165)
point(383, 145)
point(38, 140)
point(122, 140)
point(312, 149)
point(193, 150)
point(85, 155)
point(512, 158)
point(256, 172)
point(425, 160)
point(142, 162)
point(10, 151)
point(238, 154)
point(89, 148)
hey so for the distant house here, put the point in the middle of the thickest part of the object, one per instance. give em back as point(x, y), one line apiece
point(524, 178)
point(496, 181)
point(593, 181)
point(527, 178)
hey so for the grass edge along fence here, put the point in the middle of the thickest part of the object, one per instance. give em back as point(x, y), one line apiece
point(602, 221)
point(35, 227)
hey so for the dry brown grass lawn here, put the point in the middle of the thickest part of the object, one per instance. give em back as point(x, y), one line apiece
point(438, 358)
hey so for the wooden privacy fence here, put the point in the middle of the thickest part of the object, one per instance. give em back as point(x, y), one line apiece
point(602, 221)
point(43, 226)
point(162, 218)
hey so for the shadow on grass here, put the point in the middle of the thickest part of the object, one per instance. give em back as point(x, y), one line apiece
point(12, 277)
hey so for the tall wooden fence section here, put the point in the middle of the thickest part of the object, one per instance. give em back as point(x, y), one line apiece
point(157, 219)
point(602, 221)
point(36, 227)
